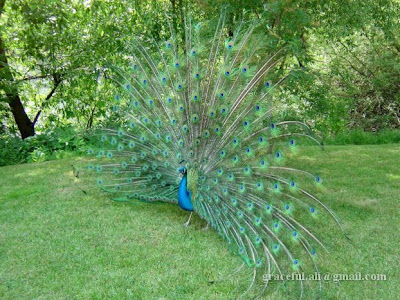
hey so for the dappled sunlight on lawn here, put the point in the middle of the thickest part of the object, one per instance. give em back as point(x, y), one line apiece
point(392, 176)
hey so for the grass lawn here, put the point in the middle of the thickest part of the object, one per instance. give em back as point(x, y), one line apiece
point(57, 242)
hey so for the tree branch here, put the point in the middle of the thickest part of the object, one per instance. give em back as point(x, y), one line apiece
point(90, 120)
point(33, 78)
point(357, 58)
point(57, 80)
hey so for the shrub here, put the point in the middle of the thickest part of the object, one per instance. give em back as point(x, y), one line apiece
point(53, 144)
point(360, 137)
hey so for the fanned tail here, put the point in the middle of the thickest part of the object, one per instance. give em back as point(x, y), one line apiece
point(213, 106)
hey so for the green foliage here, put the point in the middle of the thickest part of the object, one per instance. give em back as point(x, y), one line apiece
point(356, 48)
point(51, 144)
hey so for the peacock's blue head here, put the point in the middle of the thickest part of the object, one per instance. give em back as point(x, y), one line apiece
point(182, 170)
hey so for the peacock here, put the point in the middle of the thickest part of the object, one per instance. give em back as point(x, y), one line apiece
point(196, 122)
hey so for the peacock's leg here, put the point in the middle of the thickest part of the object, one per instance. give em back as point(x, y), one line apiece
point(187, 223)
point(205, 228)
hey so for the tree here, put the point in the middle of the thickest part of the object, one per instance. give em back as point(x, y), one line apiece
point(9, 87)
point(54, 51)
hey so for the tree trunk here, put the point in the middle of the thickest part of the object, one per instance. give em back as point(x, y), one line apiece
point(25, 125)
point(174, 16)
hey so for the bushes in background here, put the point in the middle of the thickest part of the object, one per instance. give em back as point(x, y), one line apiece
point(360, 137)
point(52, 144)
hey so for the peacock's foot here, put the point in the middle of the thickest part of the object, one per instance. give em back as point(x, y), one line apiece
point(188, 221)
point(205, 228)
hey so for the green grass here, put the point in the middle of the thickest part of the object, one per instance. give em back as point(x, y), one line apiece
point(57, 242)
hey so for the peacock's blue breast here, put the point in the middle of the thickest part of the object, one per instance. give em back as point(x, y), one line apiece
point(184, 195)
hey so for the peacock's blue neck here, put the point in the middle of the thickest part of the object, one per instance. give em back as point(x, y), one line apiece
point(184, 195)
